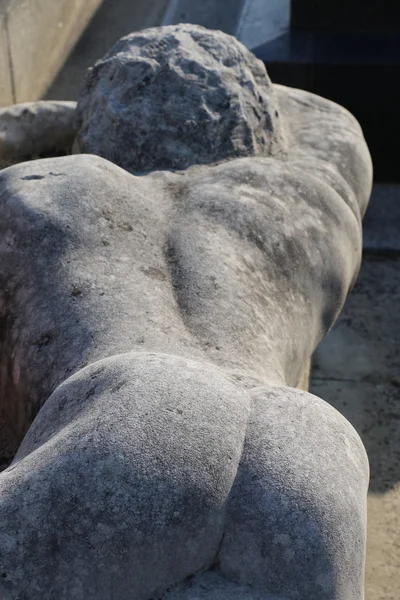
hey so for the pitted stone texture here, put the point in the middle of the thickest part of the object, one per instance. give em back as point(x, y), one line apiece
point(155, 469)
point(119, 490)
point(170, 97)
point(312, 540)
point(144, 469)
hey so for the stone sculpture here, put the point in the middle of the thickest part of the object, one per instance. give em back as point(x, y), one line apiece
point(159, 302)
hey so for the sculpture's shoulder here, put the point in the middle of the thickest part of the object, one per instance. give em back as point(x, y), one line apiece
point(74, 172)
point(72, 206)
point(257, 188)
point(36, 129)
point(242, 177)
point(301, 105)
point(326, 140)
point(74, 189)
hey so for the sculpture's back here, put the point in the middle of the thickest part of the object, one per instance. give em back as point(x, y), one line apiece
point(202, 276)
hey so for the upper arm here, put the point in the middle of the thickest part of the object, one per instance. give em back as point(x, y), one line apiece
point(36, 130)
point(327, 141)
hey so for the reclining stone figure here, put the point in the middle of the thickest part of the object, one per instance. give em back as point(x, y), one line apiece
point(162, 291)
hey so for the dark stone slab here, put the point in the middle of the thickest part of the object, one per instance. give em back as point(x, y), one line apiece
point(355, 69)
point(333, 48)
point(345, 14)
point(382, 221)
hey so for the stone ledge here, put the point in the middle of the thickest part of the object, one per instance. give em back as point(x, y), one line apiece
point(382, 221)
point(35, 38)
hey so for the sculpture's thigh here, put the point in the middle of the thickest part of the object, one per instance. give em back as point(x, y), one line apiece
point(297, 515)
point(120, 487)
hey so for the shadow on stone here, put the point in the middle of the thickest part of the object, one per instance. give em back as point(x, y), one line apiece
point(32, 362)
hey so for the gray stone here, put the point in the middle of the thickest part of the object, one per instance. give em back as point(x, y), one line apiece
point(312, 542)
point(125, 497)
point(301, 511)
point(156, 325)
point(36, 130)
point(137, 109)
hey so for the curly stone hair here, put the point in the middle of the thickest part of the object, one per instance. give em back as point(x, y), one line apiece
point(171, 97)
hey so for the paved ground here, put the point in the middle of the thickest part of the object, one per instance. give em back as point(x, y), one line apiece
point(357, 368)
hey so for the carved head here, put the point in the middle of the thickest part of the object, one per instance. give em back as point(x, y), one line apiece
point(171, 97)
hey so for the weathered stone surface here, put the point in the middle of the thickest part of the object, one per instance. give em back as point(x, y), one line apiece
point(312, 540)
point(36, 130)
point(167, 98)
point(297, 508)
point(158, 320)
point(143, 497)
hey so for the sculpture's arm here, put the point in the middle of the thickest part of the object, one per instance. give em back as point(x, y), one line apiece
point(36, 130)
point(327, 142)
